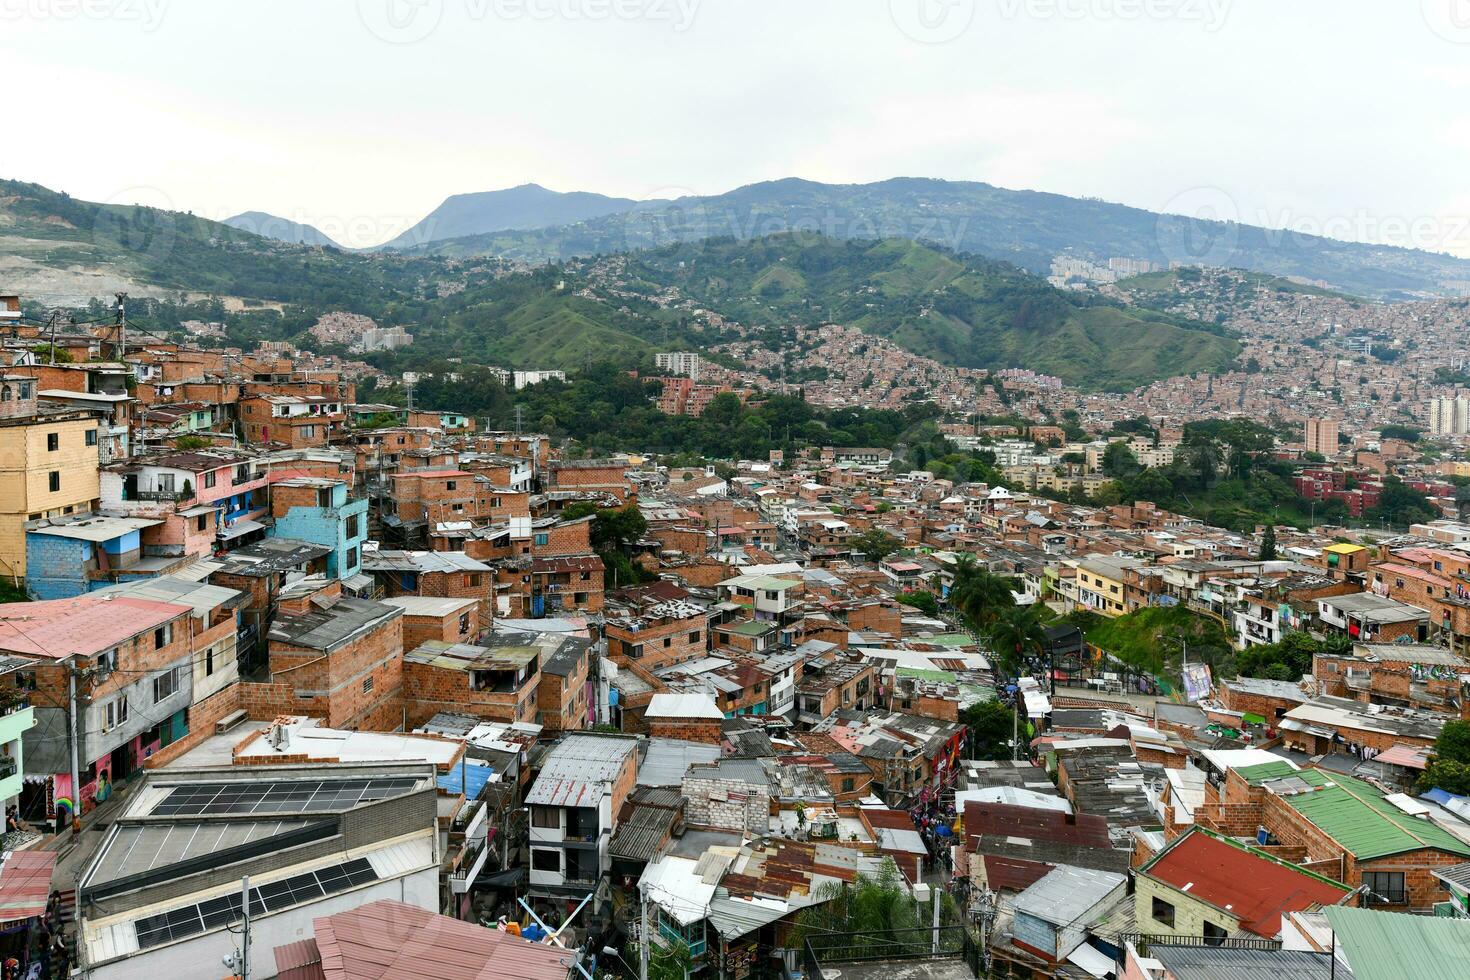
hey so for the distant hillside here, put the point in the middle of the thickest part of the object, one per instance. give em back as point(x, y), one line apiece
point(529, 206)
point(1027, 228)
point(963, 311)
point(281, 229)
point(56, 249)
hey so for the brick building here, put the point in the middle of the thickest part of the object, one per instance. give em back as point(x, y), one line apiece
point(493, 684)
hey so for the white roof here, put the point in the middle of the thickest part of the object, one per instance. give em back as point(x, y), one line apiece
point(683, 706)
point(428, 605)
point(1012, 795)
point(676, 885)
point(96, 528)
point(303, 736)
point(1223, 759)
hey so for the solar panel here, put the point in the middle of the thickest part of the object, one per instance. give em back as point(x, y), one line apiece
point(190, 920)
point(292, 797)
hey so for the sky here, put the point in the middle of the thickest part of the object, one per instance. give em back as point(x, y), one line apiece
point(1344, 117)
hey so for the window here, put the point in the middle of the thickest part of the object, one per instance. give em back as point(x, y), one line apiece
point(163, 636)
point(546, 817)
point(208, 479)
point(668, 642)
point(53, 441)
point(1163, 912)
point(308, 432)
point(53, 480)
point(367, 684)
point(242, 473)
point(202, 523)
point(472, 580)
point(165, 685)
point(451, 485)
point(115, 713)
point(694, 637)
point(209, 662)
point(464, 623)
point(350, 560)
point(848, 785)
point(354, 526)
point(91, 437)
point(1214, 935)
point(1385, 887)
point(541, 540)
point(545, 859)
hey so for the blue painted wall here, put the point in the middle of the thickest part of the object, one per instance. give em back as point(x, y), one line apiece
point(327, 527)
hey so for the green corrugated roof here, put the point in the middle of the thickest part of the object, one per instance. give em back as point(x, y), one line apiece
point(751, 627)
point(927, 675)
point(950, 640)
point(1393, 946)
point(1359, 818)
point(1258, 774)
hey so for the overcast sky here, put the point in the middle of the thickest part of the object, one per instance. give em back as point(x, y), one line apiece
point(1345, 116)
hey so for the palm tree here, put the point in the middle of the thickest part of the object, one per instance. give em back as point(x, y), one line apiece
point(1014, 636)
point(980, 596)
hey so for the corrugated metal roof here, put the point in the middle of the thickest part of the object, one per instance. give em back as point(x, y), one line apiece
point(575, 769)
point(299, 961)
point(1066, 893)
point(389, 940)
point(1359, 818)
point(1218, 963)
point(1392, 945)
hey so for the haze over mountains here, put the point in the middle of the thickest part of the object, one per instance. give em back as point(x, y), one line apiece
point(281, 229)
point(524, 207)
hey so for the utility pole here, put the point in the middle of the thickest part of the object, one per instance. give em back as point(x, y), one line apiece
point(518, 420)
point(642, 932)
point(55, 315)
point(1015, 725)
point(122, 325)
point(72, 738)
point(245, 929)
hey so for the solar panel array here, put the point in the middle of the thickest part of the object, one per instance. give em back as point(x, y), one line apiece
point(293, 796)
point(181, 923)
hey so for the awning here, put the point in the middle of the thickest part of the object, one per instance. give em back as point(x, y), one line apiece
point(1090, 959)
point(1253, 719)
point(240, 527)
point(25, 884)
point(359, 583)
point(197, 511)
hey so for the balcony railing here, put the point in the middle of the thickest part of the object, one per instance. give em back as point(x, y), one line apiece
point(158, 496)
point(8, 767)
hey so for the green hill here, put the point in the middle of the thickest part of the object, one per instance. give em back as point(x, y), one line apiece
point(963, 311)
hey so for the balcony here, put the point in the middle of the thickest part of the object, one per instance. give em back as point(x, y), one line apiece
point(159, 496)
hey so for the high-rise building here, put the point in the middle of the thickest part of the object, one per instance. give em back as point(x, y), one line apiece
point(1449, 416)
point(684, 363)
point(1321, 436)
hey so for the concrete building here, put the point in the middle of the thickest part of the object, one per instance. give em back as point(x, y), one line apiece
point(319, 511)
point(1448, 416)
point(575, 803)
point(1321, 436)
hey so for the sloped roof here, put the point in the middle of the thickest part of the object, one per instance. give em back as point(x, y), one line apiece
point(389, 940)
point(1248, 884)
point(1363, 821)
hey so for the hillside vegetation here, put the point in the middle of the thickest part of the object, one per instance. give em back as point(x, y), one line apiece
point(964, 311)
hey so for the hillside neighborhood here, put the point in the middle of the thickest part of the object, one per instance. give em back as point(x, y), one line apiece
point(376, 682)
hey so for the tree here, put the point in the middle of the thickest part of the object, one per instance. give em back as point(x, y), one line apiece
point(1016, 635)
point(191, 442)
point(922, 601)
point(980, 596)
point(989, 730)
point(875, 543)
point(1118, 461)
point(1268, 544)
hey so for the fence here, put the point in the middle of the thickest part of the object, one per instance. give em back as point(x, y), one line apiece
point(954, 942)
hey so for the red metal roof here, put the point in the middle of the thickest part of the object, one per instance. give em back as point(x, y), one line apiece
point(25, 884)
point(1016, 874)
point(1250, 886)
point(1006, 820)
point(60, 628)
point(389, 940)
point(299, 961)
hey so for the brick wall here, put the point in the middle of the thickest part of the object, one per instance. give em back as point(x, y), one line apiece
point(727, 804)
point(690, 729)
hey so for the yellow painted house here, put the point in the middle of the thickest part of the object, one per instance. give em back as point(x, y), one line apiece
point(48, 467)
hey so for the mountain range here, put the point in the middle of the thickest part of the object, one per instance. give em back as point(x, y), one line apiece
point(1027, 228)
point(281, 229)
point(528, 206)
